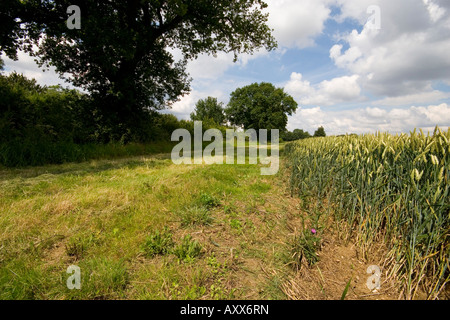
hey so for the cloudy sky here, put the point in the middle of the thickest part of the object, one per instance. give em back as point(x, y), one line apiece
point(353, 66)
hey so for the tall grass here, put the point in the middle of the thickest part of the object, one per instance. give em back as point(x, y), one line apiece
point(389, 187)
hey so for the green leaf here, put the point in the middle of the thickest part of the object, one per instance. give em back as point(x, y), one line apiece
point(346, 289)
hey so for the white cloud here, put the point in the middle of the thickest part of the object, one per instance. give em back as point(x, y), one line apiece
point(376, 112)
point(210, 67)
point(416, 98)
point(436, 12)
point(347, 59)
point(326, 93)
point(295, 22)
point(213, 67)
point(298, 87)
point(370, 120)
point(405, 56)
point(341, 89)
point(433, 115)
point(183, 108)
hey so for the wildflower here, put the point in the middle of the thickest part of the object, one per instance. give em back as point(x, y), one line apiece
point(313, 231)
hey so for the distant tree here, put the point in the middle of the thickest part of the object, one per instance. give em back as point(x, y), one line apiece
point(209, 109)
point(300, 134)
point(260, 106)
point(320, 132)
point(297, 134)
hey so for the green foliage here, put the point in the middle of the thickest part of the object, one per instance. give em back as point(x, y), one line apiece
point(190, 293)
point(188, 249)
point(164, 124)
point(209, 109)
point(120, 54)
point(158, 243)
point(208, 201)
point(236, 225)
point(320, 132)
point(19, 153)
point(297, 134)
point(260, 106)
point(41, 125)
point(11, 28)
point(216, 266)
point(347, 286)
point(29, 111)
point(305, 246)
point(115, 61)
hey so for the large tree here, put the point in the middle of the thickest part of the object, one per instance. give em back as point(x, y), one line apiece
point(260, 106)
point(124, 51)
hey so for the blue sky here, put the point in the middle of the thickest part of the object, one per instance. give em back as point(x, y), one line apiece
point(345, 73)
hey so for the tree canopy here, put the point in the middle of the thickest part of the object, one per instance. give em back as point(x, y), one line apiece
point(209, 108)
point(260, 106)
point(123, 54)
point(320, 132)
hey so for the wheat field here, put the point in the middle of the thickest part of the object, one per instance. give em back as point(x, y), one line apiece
point(389, 188)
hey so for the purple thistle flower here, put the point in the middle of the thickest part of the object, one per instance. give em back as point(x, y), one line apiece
point(313, 231)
